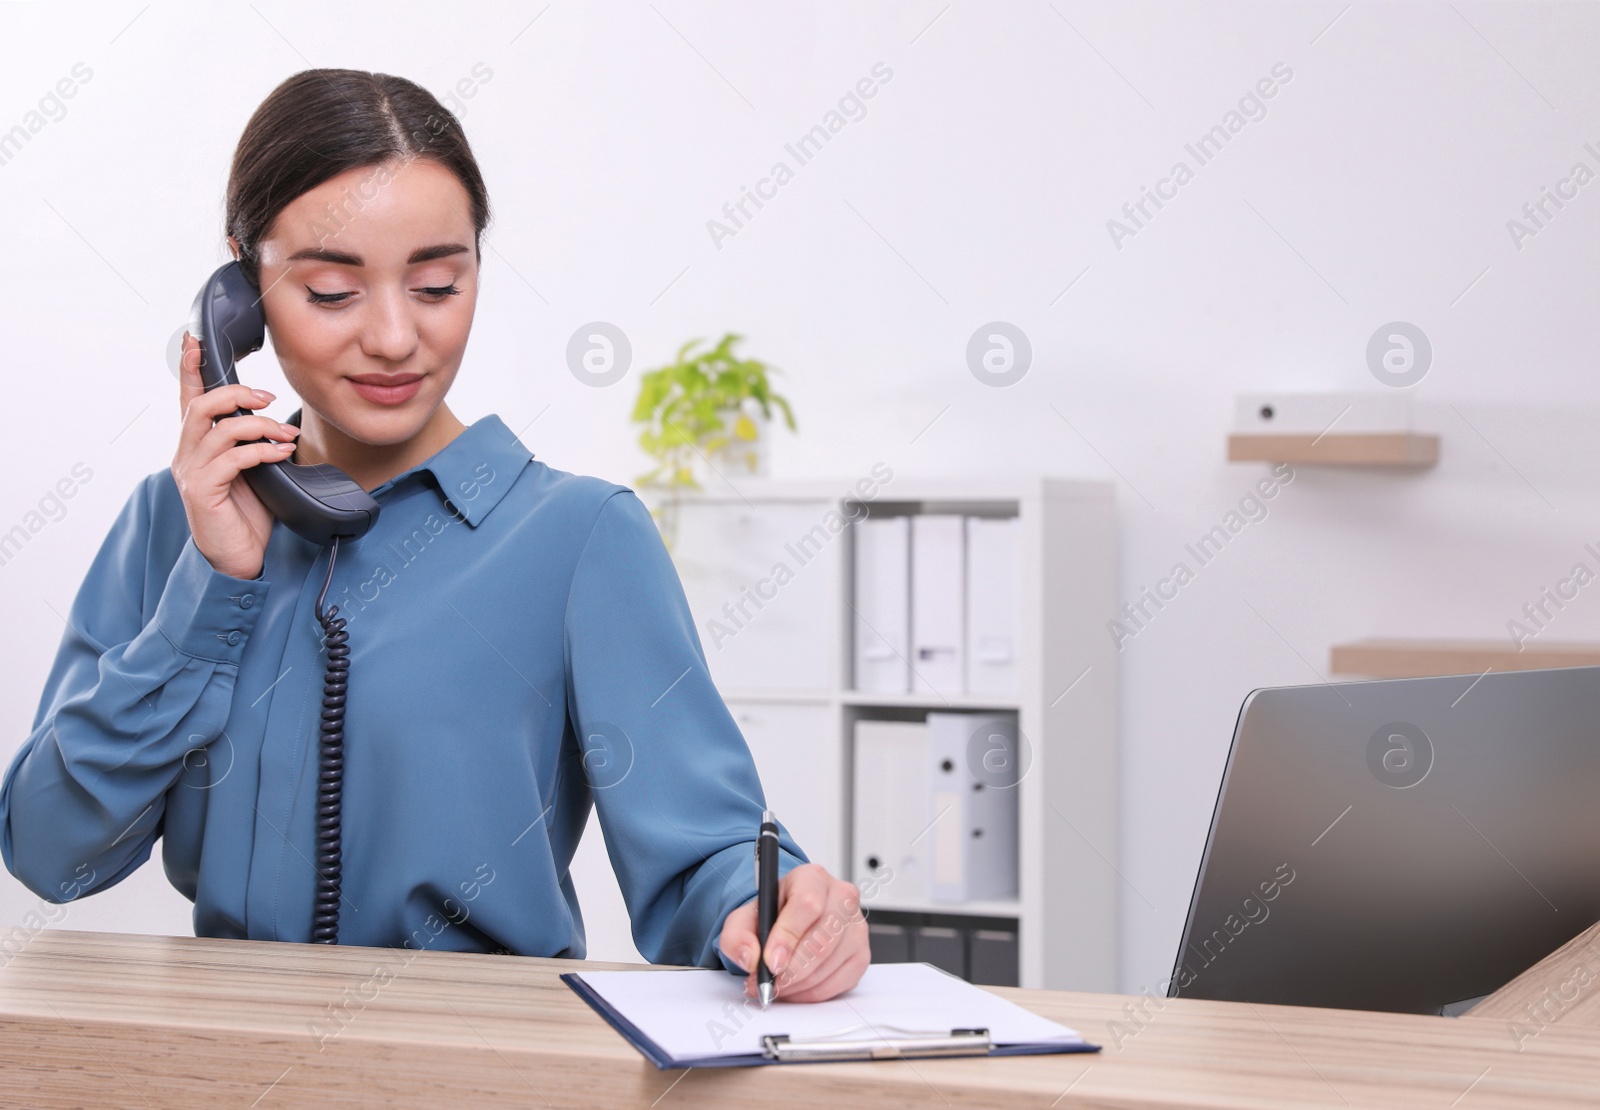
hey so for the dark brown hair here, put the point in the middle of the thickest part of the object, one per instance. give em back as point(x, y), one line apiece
point(321, 122)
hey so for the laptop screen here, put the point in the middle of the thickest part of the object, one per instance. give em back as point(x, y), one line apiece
point(1399, 845)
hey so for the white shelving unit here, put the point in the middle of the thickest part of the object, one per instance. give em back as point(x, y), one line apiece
point(784, 669)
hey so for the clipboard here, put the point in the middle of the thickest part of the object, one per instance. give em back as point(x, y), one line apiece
point(701, 1019)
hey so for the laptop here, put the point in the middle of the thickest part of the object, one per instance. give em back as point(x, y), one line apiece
point(1408, 845)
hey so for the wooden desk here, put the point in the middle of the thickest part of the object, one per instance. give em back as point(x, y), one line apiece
point(104, 1019)
point(1564, 986)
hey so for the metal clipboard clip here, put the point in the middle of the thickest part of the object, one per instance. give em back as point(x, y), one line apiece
point(911, 1043)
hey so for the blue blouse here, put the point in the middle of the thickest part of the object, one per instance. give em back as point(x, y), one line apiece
point(520, 646)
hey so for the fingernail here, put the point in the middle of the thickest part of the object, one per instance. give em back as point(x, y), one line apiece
point(263, 395)
point(289, 428)
point(747, 959)
point(778, 960)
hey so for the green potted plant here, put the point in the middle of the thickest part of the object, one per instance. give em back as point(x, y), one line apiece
point(705, 411)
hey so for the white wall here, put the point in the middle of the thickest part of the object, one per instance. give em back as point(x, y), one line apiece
point(976, 188)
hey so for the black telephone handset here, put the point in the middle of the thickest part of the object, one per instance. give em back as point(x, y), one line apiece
point(320, 503)
point(316, 502)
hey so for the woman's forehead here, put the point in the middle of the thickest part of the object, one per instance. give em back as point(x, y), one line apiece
point(378, 216)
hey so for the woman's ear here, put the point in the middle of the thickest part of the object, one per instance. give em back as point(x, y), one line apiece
point(233, 245)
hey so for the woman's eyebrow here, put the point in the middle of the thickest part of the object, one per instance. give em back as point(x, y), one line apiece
point(344, 258)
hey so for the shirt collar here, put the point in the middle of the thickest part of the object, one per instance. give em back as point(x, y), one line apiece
point(472, 472)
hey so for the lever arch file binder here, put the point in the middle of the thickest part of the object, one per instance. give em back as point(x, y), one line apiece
point(701, 1019)
point(882, 616)
point(890, 807)
point(974, 775)
point(938, 604)
point(994, 571)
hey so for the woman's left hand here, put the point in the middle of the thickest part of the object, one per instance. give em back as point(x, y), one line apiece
point(818, 945)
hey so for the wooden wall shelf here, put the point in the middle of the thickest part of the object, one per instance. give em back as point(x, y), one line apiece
point(1420, 658)
point(1405, 449)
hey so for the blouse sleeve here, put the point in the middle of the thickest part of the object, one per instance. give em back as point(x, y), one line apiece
point(128, 697)
point(673, 781)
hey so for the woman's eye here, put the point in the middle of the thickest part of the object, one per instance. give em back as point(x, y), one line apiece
point(437, 292)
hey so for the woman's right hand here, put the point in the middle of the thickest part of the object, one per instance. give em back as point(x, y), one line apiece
point(229, 523)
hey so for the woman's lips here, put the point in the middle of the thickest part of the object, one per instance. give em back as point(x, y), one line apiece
point(388, 391)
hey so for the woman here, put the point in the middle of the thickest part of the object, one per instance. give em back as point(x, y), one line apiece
point(520, 644)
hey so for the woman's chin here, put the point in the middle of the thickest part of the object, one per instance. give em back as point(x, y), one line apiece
point(381, 426)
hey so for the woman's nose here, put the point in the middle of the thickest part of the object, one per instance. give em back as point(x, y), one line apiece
point(390, 332)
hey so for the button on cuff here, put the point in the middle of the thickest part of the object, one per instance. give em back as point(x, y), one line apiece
point(205, 613)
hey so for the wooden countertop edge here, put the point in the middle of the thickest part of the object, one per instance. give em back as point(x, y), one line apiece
point(1562, 987)
point(1177, 1053)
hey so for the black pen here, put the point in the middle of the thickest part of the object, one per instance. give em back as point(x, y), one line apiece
point(766, 900)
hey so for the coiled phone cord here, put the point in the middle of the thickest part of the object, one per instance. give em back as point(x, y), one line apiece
point(330, 775)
